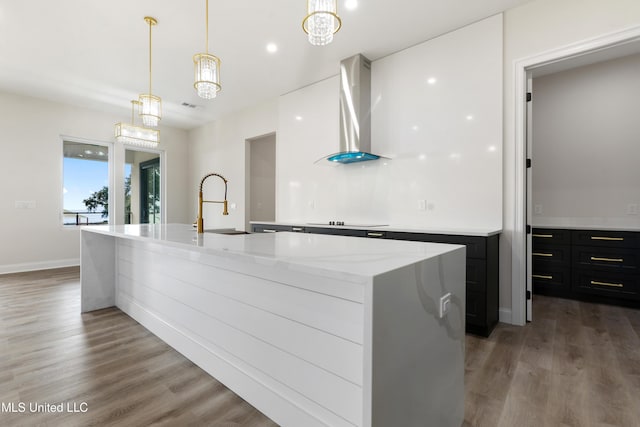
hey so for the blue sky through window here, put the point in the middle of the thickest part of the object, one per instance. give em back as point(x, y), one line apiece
point(82, 178)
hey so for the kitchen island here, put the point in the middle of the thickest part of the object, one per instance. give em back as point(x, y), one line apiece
point(312, 330)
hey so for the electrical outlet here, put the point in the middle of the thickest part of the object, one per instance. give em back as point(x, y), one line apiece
point(537, 209)
point(422, 205)
point(445, 304)
point(632, 209)
point(25, 204)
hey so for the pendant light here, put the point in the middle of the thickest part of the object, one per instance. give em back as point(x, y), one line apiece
point(150, 105)
point(322, 21)
point(131, 134)
point(207, 69)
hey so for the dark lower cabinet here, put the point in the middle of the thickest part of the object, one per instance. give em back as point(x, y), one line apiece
point(593, 265)
point(482, 268)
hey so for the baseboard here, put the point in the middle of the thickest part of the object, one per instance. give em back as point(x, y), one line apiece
point(42, 265)
point(504, 315)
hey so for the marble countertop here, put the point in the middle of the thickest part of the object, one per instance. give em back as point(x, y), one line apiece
point(480, 232)
point(316, 253)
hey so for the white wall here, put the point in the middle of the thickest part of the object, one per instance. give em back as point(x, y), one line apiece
point(31, 169)
point(585, 145)
point(221, 147)
point(444, 140)
point(531, 29)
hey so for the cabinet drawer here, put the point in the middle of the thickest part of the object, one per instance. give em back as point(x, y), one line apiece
point(476, 275)
point(547, 277)
point(476, 308)
point(605, 283)
point(559, 255)
point(613, 239)
point(269, 228)
point(336, 231)
point(554, 236)
point(623, 260)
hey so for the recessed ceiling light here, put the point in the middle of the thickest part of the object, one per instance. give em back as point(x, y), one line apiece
point(299, 118)
point(414, 127)
point(432, 80)
point(492, 148)
point(88, 152)
point(351, 4)
point(469, 117)
point(272, 48)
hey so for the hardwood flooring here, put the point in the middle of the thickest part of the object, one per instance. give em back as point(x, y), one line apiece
point(577, 364)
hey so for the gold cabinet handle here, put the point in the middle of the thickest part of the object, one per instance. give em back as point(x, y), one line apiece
point(542, 276)
point(375, 234)
point(541, 254)
point(615, 285)
point(595, 258)
point(616, 239)
point(545, 236)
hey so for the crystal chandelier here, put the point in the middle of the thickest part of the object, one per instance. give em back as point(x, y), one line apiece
point(322, 21)
point(207, 69)
point(150, 107)
point(131, 134)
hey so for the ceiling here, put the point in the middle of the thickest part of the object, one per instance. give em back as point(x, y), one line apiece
point(94, 54)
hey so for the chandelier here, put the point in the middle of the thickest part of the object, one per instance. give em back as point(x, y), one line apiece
point(207, 69)
point(150, 107)
point(322, 21)
point(131, 134)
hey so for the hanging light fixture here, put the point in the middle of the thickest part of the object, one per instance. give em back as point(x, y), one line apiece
point(322, 21)
point(207, 69)
point(131, 134)
point(150, 105)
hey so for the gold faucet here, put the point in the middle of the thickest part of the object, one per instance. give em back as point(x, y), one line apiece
point(201, 201)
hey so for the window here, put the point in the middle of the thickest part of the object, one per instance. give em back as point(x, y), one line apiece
point(85, 183)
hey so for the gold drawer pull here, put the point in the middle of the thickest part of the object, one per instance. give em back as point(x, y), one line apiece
point(595, 258)
point(617, 239)
point(541, 276)
point(375, 234)
point(615, 285)
point(541, 254)
point(546, 236)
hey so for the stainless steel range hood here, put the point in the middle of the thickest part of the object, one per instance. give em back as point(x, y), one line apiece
point(355, 112)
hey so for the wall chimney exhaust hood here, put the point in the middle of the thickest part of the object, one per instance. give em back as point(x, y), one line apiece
point(355, 112)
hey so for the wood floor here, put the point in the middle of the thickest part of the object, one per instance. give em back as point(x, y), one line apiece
point(577, 364)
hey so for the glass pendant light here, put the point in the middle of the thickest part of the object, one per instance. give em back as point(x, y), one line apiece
point(322, 21)
point(150, 105)
point(207, 69)
point(128, 133)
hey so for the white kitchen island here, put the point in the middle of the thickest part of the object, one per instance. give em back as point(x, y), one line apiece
point(313, 330)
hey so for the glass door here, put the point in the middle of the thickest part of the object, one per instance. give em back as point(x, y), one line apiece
point(150, 191)
point(142, 188)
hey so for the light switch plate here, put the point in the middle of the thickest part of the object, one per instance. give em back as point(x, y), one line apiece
point(445, 304)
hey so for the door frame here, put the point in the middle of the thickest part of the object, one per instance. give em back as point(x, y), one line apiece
point(521, 67)
point(144, 189)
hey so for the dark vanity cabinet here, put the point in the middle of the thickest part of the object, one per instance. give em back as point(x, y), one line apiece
point(481, 272)
point(593, 265)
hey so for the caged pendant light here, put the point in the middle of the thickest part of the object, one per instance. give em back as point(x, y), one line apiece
point(150, 104)
point(207, 69)
point(322, 21)
point(128, 133)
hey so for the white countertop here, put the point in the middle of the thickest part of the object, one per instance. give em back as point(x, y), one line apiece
point(316, 253)
point(479, 232)
point(603, 227)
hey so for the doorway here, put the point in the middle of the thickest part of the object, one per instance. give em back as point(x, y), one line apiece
point(143, 187)
point(609, 46)
point(261, 179)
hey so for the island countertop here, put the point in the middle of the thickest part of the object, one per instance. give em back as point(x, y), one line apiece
point(332, 256)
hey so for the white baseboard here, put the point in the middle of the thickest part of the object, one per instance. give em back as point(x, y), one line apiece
point(41, 265)
point(504, 315)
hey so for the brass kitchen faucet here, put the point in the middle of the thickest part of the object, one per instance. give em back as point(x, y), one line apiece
point(201, 201)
